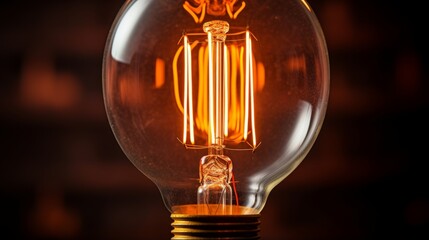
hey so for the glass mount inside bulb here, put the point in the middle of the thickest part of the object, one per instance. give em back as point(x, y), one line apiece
point(225, 106)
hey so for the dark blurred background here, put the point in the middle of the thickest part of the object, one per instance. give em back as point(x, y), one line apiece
point(63, 175)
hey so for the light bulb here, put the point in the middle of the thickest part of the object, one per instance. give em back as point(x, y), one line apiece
point(216, 102)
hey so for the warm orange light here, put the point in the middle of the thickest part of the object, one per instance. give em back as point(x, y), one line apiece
point(188, 103)
point(198, 8)
point(159, 73)
point(221, 102)
point(211, 90)
point(226, 91)
point(230, 7)
point(261, 76)
point(306, 5)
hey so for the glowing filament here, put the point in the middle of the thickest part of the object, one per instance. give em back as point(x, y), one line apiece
point(249, 82)
point(188, 104)
point(227, 78)
point(211, 94)
point(198, 8)
point(225, 91)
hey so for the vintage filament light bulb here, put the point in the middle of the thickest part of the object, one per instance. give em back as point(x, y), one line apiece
point(216, 101)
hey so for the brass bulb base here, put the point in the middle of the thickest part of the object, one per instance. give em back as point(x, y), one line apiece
point(236, 226)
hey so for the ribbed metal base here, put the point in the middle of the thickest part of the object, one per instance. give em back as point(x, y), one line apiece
point(215, 226)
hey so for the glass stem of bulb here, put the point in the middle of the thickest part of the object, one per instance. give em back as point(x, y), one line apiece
point(215, 192)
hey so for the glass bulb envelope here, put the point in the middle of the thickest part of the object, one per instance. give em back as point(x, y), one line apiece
point(216, 101)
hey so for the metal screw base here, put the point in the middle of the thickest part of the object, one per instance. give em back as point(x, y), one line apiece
point(187, 226)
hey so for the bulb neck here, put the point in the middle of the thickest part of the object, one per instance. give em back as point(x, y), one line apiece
point(190, 223)
point(186, 226)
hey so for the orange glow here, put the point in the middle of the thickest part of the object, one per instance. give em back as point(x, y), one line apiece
point(176, 75)
point(223, 94)
point(195, 209)
point(43, 87)
point(226, 91)
point(176, 79)
point(159, 73)
point(231, 6)
point(250, 83)
point(297, 63)
point(198, 8)
point(246, 90)
point(201, 9)
point(188, 108)
point(129, 91)
point(306, 5)
point(211, 97)
point(261, 76)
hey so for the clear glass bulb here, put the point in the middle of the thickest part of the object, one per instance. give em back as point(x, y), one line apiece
point(216, 101)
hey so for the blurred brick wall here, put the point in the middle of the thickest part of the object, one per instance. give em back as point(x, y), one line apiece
point(63, 176)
